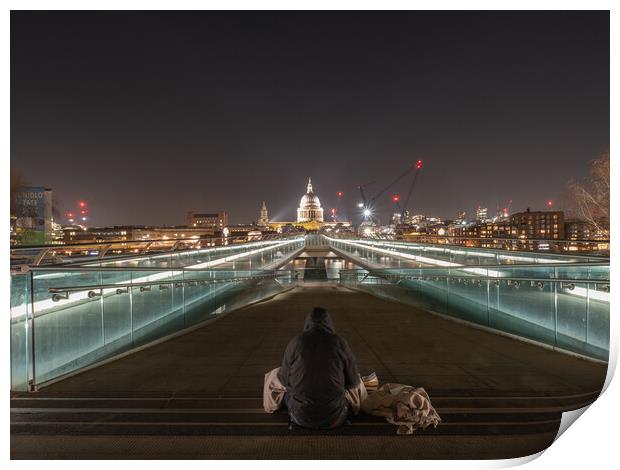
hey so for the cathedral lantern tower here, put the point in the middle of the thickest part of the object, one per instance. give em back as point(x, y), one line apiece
point(263, 219)
point(309, 207)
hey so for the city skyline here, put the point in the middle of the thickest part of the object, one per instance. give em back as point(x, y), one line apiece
point(356, 214)
point(499, 106)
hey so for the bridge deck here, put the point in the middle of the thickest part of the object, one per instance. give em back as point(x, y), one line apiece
point(402, 344)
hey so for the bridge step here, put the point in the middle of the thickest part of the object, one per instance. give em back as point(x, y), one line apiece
point(256, 425)
point(242, 416)
point(506, 402)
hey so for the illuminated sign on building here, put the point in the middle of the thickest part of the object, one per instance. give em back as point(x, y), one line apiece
point(33, 215)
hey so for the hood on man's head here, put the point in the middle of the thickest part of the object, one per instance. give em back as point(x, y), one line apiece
point(319, 318)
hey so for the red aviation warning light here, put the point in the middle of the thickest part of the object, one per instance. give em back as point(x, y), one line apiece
point(396, 198)
point(339, 193)
point(549, 203)
point(418, 164)
point(82, 207)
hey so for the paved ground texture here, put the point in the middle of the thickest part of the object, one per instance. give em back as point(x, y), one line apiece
point(322, 447)
point(458, 365)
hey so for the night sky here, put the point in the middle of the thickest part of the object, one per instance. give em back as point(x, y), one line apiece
point(147, 115)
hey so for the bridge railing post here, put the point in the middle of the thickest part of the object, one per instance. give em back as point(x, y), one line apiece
point(488, 299)
point(555, 307)
point(131, 308)
point(183, 284)
point(32, 376)
point(588, 286)
point(102, 309)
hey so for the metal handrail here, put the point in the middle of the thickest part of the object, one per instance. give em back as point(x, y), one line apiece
point(520, 279)
point(105, 247)
point(69, 269)
point(149, 240)
point(506, 266)
point(386, 275)
point(94, 287)
point(481, 266)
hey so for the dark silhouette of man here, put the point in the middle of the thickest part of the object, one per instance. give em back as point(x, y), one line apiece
point(317, 370)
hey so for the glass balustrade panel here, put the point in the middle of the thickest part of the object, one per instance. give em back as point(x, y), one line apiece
point(20, 346)
point(68, 326)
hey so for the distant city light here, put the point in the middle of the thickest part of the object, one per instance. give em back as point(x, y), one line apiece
point(367, 212)
point(418, 164)
point(395, 198)
point(339, 193)
point(550, 203)
point(360, 204)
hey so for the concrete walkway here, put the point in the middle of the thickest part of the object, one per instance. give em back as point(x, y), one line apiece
point(401, 343)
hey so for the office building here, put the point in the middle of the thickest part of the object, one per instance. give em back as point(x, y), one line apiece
point(215, 220)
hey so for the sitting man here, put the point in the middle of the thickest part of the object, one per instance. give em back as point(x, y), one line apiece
point(318, 375)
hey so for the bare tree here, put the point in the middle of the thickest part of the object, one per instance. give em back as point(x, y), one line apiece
point(590, 200)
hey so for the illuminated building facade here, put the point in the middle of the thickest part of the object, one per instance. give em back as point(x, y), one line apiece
point(539, 225)
point(309, 216)
point(217, 220)
point(263, 219)
point(81, 234)
point(309, 207)
point(482, 214)
point(31, 211)
point(499, 229)
point(577, 231)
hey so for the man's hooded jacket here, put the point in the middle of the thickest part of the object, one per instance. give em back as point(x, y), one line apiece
point(318, 367)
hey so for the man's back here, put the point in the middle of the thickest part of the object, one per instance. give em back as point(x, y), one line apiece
point(318, 366)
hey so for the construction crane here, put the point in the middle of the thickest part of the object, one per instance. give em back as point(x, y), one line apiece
point(418, 167)
point(503, 213)
point(367, 205)
point(396, 199)
point(336, 210)
point(507, 209)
